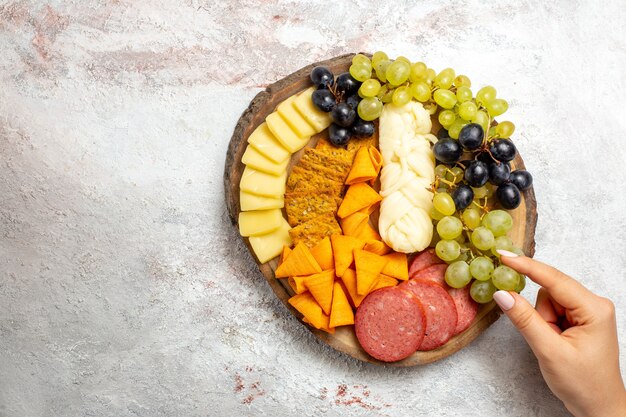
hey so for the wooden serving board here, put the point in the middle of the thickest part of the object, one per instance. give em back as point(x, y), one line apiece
point(344, 339)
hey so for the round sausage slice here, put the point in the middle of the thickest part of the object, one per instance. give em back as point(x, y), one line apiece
point(390, 324)
point(423, 260)
point(435, 273)
point(441, 315)
point(466, 307)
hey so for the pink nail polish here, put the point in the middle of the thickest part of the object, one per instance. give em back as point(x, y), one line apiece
point(504, 300)
point(503, 252)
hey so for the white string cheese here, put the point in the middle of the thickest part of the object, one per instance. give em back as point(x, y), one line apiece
point(408, 170)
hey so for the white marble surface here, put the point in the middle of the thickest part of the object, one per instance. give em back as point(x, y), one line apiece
point(124, 289)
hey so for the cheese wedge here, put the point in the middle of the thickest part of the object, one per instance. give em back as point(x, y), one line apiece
point(269, 246)
point(316, 118)
point(285, 134)
point(259, 222)
point(294, 119)
point(249, 202)
point(264, 141)
point(254, 159)
point(263, 184)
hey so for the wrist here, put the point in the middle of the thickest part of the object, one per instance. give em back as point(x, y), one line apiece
point(614, 406)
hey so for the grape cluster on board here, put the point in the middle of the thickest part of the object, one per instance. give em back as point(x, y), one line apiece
point(474, 155)
point(340, 98)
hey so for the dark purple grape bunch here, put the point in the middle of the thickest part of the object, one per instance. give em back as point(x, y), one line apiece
point(340, 98)
point(491, 164)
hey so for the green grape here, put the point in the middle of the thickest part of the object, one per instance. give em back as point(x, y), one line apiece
point(481, 268)
point(446, 118)
point(455, 128)
point(482, 291)
point(441, 170)
point(401, 96)
point(462, 81)
point(491, 189)
point(497, 107)
point(455, 175)
point(492, 132)
point(467, 110)
point(505, 278)
point(378, 57)
point(481, 118)
point(447, 250)
point(449, 227)
point(381, 70)
point(361, 71)
point(498, 221)
point(444, 204)
point(398, 72)
point(445, 98)
point(485, 95)
point(444, 79)
point(382, 91)
point(369, 88)
point(387, 97)
point(505, 129)
point(420, 91)
point(463, 94)
point(461, 239)
point(502, 243)
point(518, 251)
point(471, 218)
point(458, 274)
point(370, 108)
point(521, 284)
point(403, 58)
point(361, 59)
point(418, 72)
point(463, 257)
point(431, 108)
point(483, 238)
point(430, 75)
point(435, 215)
point(480, 192)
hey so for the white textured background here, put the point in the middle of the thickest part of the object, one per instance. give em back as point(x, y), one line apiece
point(124, 289)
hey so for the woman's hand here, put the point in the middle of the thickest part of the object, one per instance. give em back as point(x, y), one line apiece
point(573, 333)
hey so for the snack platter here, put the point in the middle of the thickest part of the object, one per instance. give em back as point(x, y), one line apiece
point(343, 338)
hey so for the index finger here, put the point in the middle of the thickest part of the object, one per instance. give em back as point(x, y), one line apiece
point(564, 289)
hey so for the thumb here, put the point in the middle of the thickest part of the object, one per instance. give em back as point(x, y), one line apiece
point(540, 336)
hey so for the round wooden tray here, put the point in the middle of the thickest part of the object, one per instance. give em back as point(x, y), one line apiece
point(344, 339)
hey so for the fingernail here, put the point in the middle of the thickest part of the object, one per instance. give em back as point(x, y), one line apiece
point(503, 252)
point(504, 300)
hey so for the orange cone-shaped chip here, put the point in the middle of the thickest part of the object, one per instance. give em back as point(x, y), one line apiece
point(358, 196)
point(349, 280)
point(341, 313)
point(298, 262)
point(323, 254)
point(343, 247)
point(368, 267)
point(396, 266)
point(321, 288)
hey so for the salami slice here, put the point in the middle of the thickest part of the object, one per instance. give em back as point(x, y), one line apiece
point(435, 273)
point(423, 260)
point(441, 315)
point(466, 307)
point(390, 324)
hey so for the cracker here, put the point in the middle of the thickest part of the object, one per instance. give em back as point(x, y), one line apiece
point(304, 206)
point(302, 179)
point(313, 231)
point(325, 158)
